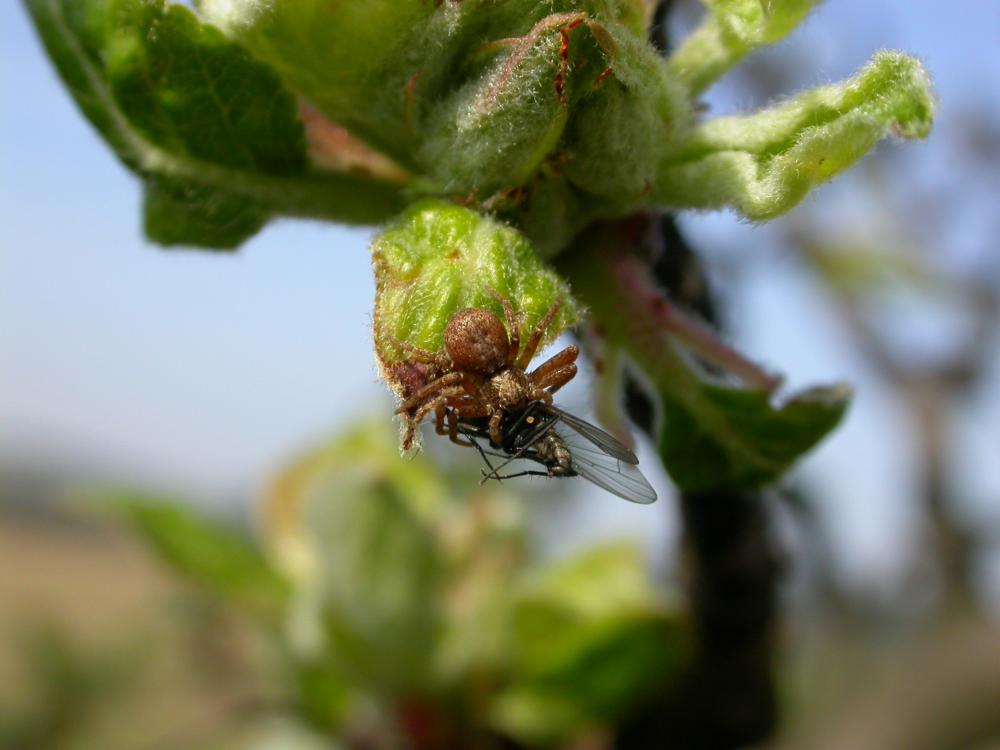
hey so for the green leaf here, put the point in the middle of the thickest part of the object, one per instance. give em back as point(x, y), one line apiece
point(378, 583)
point(607, 672)
point(731, 30)
point(219, 558)
point(623, 127)
point(178, 213)
point(598, 582)
point(714, 434)
point(353, 60)
point(718, 437)
point(765, 163)
point(617, 645)
point(211, 131)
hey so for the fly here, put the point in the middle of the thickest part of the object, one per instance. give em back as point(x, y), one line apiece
point(566, 446)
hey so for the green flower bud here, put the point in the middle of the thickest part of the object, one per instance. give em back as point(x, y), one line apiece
point(439, 258)
point(623, 127)
point(493, 132)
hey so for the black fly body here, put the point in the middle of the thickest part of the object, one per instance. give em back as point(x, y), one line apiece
point(565, 445)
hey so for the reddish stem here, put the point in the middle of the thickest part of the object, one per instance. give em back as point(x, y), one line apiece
point(635, 282)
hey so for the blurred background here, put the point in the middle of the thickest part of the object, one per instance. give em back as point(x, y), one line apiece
point(202, 377)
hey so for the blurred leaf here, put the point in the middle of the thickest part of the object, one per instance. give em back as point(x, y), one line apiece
point(355, 526)
point(858, 267)
point(323, 695)
point(607, 672)
point(379, 583)
point(604, 580)
point(592, 641)
point(209, 554)
point(212, 132)
point(763, 164)
point(485, 550)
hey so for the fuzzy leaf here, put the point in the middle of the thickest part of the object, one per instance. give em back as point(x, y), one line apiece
point(765, 163)
point(212, 132)
point(623, 127)
point(731, 30)
point(714, 434)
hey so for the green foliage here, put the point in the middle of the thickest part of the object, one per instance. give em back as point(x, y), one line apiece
point(212, 132)
point(531, 110)
point(508, 131)
point(713, 434)
point(378, 580)
point(207, 553)
point(510, 128)
point(591, 643)
point(402, 587)
point(763, 164)
point(719, 437)
point(732, 29)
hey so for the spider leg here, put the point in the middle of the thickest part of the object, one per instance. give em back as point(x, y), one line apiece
point(540, 394)
point(495, 420)
point(441, 361)
point(557, 361)
point(513, 323)
point(555, 379)
point(440, 400)
point(528, 354)
point(430, 389)
point(441, 412)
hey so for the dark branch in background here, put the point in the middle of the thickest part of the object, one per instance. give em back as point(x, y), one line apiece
point(659, 32)
point(727, 697)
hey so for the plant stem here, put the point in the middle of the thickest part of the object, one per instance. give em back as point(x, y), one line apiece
point(726, 697)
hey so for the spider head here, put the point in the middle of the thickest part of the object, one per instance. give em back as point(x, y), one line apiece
point(476, 341)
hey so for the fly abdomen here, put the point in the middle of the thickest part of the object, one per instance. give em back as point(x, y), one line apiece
point(552, 452)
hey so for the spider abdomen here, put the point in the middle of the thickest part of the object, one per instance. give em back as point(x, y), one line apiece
point(476, 341)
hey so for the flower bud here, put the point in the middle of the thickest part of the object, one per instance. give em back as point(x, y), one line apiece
point(438, 258)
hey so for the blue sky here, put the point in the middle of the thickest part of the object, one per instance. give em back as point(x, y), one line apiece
point(201, 373)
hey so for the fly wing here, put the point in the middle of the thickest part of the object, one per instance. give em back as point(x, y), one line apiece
point(603, 440)
point(621, 478)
